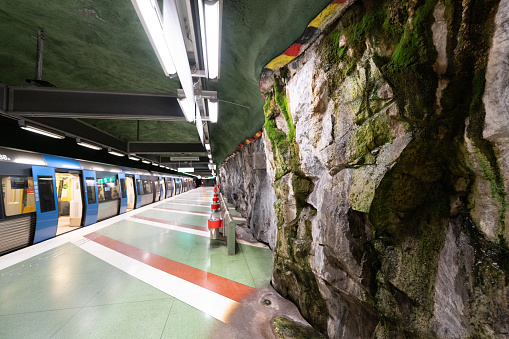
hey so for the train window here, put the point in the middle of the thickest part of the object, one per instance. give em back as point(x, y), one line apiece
point(107, 188)
point(91, 190)
point(138, 187)
point(18, 195)
point(46, 193)
point(122, 188)
point(147, 187)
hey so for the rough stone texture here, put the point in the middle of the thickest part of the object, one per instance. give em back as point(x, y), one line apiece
point(386, 146)
point(251, 192)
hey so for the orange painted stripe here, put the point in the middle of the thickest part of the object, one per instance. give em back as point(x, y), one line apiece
point(225, 287)
point(173, 223)
point(175, 209)
point(293, 50)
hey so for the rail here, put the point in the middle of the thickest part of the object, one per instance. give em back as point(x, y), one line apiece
point(229, 225)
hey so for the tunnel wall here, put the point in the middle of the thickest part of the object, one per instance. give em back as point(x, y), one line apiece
point(250, 190)
point(387, 150)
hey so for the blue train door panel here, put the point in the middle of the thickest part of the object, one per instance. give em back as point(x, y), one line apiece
point(137, 188)
point(45, 202)
point(91, 198)
point(123, 193)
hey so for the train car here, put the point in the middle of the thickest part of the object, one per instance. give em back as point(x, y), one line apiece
point(45, 195)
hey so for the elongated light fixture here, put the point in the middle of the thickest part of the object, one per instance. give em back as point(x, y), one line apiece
point(184, 105)
point(88, 145)
point(133, 157)
point(150, 17)
point(39, 130)
point(213, 109)
point(199, 125)
point(112, 152)
point(212, 28)
point(210, 156)
point(207, 147)
point(175, 40)
point(145, 161)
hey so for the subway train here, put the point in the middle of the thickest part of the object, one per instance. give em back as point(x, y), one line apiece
point(45, 195)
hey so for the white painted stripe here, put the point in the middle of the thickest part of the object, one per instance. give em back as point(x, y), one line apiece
point(239, 218)
point(18, 256)
point(200, 298)
point(171, 227)
point(181, 203)
point(183, 212)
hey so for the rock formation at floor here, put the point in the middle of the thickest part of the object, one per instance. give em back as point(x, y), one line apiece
point(388, 153)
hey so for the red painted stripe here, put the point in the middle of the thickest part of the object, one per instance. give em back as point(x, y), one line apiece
point(225, 287)
point(293, 50)
point(173, 223)
point(174, 209)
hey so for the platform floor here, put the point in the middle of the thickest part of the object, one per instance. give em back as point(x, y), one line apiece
point(150, 273)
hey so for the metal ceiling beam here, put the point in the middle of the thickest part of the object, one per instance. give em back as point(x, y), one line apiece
point(64, 103)
point(165, 147)
point(83, 130)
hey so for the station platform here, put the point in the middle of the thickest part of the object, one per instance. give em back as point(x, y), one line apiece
point(150, 273)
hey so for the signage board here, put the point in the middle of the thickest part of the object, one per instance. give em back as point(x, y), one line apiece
point(184, 158)
point(186, 169)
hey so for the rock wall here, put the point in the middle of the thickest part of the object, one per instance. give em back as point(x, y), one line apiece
point(250, 190)
point(387, 144)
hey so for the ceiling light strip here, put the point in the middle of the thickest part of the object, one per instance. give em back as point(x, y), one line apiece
point(175, 40)
point(212, 31)
point(88, 145)
point(151, 19)
point(42, 132)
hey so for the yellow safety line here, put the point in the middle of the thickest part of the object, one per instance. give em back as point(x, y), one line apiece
point(21, 203)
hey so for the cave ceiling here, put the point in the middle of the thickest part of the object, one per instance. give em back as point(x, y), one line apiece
point(101, 46)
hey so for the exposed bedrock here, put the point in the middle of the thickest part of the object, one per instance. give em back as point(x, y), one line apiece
point(250, 190)
point(387, 148)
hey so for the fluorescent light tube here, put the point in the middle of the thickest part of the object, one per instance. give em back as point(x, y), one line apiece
point(211, 161)
point(202, 32)
point(150, 17)
point(132, 157)
point(154, 163)
point(199, 125)
point(213, 108)
point(42, 131)
point(118, 154)
point(86, 144)
point(173, 34)
point(161, 165)
point(184, 105)
point(212, 37)
point(210, 156)
point(207, 147)
point(145, 161)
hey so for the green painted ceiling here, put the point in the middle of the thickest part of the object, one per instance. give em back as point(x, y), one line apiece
point(101, 45)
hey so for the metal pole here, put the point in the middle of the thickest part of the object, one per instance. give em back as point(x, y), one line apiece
point(40, 51)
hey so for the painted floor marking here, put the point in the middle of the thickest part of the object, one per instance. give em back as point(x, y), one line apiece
point(213, 304)
point(181, 211)
point(225, 287)
point(187, 204)
point(177, 225)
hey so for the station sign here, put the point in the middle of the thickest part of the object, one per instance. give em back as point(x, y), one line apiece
point(186, 169)
point(184, 158)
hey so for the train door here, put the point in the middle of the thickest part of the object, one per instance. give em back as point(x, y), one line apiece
point(70, 204)
point(131, 193)
point(91, 198)
point(123, 193)
point(45, 203)
point(162, 188)
point(169, 187)
point(157, 188)
point(137, 185)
